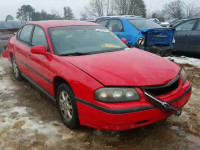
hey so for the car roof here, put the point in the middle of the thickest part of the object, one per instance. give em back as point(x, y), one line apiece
point(61, 23)
point(10, 24)
point(122, 17)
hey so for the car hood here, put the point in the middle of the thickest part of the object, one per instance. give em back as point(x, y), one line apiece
point(131, 67)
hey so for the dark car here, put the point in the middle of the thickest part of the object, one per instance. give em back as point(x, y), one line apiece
point(139, 32)
point(187, 37)
point(7, 30)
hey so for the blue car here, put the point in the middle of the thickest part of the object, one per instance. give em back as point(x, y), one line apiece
point(140, 32)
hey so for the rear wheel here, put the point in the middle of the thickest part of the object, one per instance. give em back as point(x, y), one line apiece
point(16, 71)
point(67, 106)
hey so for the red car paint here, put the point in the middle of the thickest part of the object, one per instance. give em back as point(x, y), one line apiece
point(85, 74)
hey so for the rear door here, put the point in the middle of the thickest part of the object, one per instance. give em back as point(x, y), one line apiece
point(117, 27)
point(182, 34)
point(22, 47)
point(194, 40)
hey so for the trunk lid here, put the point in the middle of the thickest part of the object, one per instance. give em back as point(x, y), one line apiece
point(159, 36)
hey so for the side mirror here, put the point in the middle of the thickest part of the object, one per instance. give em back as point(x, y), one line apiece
point(39, 50)
point(124, 40)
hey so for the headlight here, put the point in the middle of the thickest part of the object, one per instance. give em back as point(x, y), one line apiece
point(184, 75)
point(112, 95)
point(141, 41)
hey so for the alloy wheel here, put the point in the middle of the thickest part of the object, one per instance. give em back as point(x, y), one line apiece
point(65, 105)
point(15, 69)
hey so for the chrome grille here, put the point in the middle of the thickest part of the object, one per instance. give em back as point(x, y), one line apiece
point(163, 89)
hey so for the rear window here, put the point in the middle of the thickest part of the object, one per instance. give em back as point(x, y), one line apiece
point(144, 24)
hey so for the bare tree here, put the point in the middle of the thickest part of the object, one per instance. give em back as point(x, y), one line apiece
point(131, 7)
point(84, 16)
point(175, 9)
point(96, 8)
point(160, 15)
point(178, 9)
point(122, 6)
point(192, 10)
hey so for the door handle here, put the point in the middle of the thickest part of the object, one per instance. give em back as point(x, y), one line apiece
point(29, 53)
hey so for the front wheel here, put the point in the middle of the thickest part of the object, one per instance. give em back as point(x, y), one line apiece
point(67, 106)
point(16, 71)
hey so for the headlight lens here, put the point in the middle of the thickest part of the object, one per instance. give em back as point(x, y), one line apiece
point(184, 75)
point(141, 41)
point(112, 95)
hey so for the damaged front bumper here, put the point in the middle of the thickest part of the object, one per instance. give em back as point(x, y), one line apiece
point(162, 105)
point(125, 116)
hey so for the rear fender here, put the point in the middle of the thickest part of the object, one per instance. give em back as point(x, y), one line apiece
point(6, 53)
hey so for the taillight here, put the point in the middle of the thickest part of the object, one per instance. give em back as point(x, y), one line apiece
point(141, 41)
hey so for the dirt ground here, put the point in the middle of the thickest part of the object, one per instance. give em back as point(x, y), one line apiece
point(29, 120)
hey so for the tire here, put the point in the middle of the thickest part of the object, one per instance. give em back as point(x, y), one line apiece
point(16, 72)
point(67, 107)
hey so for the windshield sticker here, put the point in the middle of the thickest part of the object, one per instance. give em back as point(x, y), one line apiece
point(102, 30)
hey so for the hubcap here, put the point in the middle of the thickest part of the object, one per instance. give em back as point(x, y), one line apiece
point(65, 105)
point(15, 69)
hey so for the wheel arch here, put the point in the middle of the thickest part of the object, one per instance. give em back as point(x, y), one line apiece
point(11, 55)
point(57, 81)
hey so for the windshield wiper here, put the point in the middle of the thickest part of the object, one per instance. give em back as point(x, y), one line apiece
point(95, 52)
point(74, 54)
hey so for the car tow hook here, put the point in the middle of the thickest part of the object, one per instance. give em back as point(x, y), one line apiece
point(164, 105)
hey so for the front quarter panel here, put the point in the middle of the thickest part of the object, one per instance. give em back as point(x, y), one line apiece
point(82, 84)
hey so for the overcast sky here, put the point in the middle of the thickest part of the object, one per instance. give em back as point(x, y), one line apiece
point(11, 6)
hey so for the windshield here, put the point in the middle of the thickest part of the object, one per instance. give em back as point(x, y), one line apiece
point(144, 24)
point(84, 40)
point(177, 23)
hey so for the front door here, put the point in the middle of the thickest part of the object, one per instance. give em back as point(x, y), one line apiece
point(194, 40)
point(182, 34)
point(39, 70)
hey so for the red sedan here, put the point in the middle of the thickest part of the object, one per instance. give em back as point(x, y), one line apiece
point(95, 79)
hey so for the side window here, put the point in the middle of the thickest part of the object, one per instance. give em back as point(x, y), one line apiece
point(186, 26)
point(198, 27)
point(25, 34)
point(19, 32)
point(103, 22)
point(115, 26)
point(39, 37)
